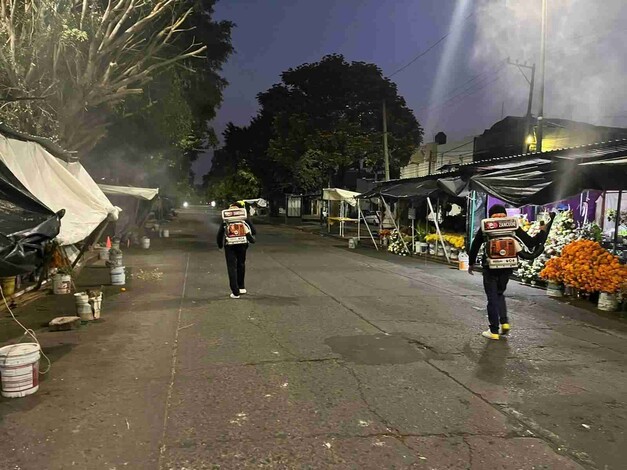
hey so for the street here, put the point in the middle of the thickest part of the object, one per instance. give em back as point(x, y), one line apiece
point(335, 359)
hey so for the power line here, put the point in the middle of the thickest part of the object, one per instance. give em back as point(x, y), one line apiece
point(425, 52)
point(468, 91)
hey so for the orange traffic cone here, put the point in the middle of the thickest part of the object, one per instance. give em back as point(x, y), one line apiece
point(108, 242)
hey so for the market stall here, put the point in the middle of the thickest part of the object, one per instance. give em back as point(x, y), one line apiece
point(136, 203)
point(339, 202)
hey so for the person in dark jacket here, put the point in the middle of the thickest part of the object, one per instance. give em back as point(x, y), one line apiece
point(236, 256)
point(495, 280)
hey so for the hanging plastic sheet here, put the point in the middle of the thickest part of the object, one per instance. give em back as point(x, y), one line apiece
point(26, 226)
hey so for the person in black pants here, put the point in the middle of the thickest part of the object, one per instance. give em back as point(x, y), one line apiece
point(495, 280)
point(236, 257)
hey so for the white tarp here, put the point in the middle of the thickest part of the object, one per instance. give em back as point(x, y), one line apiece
point(336, 194)
point(259, 201)
point(140, 193)
point(51, 182)
point(80, 173)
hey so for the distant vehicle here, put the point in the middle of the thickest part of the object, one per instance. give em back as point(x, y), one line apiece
point(371, 217)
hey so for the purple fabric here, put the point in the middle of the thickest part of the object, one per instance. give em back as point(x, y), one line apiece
point(582, 205)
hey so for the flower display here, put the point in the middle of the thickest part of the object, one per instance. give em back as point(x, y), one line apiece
point(587, 266)
point(396, 245)
point(455, 240)
point(562, 233)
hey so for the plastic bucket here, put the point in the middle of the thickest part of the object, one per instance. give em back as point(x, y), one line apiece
point(554, 290)
point(462, 262)
point(61, 284)
point(118, 276)
point(96, 305)
point(83, 309)
point(166, 233)
point(115, 260)
point(19, 369)
point(608, 302)
point(145, 243)
point(8, 285)
point(103, 253)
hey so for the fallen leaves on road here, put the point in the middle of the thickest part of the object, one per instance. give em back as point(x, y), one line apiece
point(239, 419)
point(154, 275)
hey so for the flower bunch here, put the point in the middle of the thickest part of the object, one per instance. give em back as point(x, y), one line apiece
point(396, 245)
point(455, 240)
point(431, 238)
point(561, 234)
point(587, 266)
point(384, 234)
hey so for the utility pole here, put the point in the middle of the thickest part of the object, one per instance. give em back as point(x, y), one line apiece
point(528, 125)
point(542, 71)
point(386, 157)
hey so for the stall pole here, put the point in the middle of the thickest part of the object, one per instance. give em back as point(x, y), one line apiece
point(437, 228)
point(369, 231)
point(389, 212)
point(413, 235)
point(358, 219)
point(617, 222)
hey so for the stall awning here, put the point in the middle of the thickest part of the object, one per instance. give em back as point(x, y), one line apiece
point(147, 194)
point(570, 171)
point(25, 226)
point(336, 194)
point(48, 179)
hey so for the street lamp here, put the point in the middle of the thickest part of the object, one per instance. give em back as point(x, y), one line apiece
point(542, 69)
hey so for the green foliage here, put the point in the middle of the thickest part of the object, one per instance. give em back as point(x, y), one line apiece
point(156, 136)
point(241, 184)
point(320, 121)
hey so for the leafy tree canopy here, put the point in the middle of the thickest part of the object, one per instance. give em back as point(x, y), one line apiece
point(320, 121)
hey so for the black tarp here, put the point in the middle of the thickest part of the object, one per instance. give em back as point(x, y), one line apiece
point(26, 225)
point(542, 181)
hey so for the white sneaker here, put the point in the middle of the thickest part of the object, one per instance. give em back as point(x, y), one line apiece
point(233, 296)
point(488, 334)
point(242, 291)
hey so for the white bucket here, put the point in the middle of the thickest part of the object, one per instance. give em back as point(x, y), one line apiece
point(96, 305)
point(61, 284)
point(462, 262)
point(145, 243)
point(115, 260)
point(103, 253)
point(166, 233)
point(554, 290)
point(83, 309)
point(118, 276)
point(608, 302)
point(19, 369)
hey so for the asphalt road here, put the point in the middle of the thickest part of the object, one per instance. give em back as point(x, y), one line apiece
point(335, 359)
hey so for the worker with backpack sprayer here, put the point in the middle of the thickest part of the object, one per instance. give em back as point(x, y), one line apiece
point(235, 233)
point(505, 243)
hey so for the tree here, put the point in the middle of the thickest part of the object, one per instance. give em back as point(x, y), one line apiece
point(241, 184)
point(65, 63)
point(322, 120)
point(154, 137)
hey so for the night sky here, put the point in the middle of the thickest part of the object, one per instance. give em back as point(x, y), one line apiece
point(273, 35)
